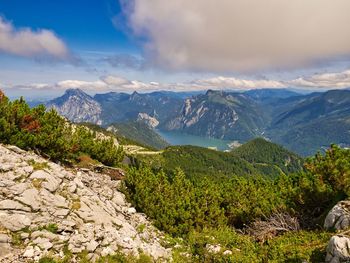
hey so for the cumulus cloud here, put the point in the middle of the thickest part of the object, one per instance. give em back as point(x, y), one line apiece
point(119, 84)
point(114, 80)
point(326, 80)
point(226, 35)
point(234, 83)
point(86, 85)
point(28, 43)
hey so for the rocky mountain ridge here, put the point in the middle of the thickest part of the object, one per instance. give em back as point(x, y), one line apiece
point(283, 116)
point(46, 209)
point(220, 115)
point(77, 106)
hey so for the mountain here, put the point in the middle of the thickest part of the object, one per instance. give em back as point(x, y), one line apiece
point(112, 107)
point(232, 116)
point(122, 107)
point(303, 123)
point(77, 106)
point(313, 122)
point(265, 155)
point(140, 132)
point(270, 94)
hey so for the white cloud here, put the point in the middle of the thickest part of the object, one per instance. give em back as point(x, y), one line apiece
point(234, 83)
point(28, 43)
point(119, 84)
point(326, 80)
point(114, 80)
point(226, 35)
point(86, 85)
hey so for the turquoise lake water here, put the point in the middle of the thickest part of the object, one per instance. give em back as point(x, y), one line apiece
point(178, 138)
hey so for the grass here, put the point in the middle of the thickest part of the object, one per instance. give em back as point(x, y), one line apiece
point(37, 183)
point(141, 228)
point(16, 239)
point(76, 204)
point(53, 228)
point(37, 165)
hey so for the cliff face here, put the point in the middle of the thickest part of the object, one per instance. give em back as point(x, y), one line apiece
point(77, 106)
point(47, 209)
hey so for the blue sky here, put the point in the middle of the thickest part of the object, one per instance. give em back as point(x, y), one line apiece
point(110, 45)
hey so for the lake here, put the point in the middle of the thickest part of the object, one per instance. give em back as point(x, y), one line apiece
point(178, 138)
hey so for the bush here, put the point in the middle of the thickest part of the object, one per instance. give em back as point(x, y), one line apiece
point(51, 135)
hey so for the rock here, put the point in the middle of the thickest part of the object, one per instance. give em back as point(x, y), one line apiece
point(43, 243)
point(4, 238)
point(213, 248)
point(339, 217)
point(18, 189)
point(91, 246)
point(45, 234)
point(131, 210)
point(13, 205)
point(61, 213)
point(89, 211)
point(29, 253)
point(227, 252)
point(107, 251)
point(72, 187)
point(24, 235)
point(338, 249)
point(119, 199)
point(50, 182)
point(14, 222)
point(30, 197)
point(15, 149)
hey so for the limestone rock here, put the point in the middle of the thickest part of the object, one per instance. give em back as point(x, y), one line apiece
point(338, 249)
point(339, 217)
point(62, 206)
point(14, 222)
point(13, 205)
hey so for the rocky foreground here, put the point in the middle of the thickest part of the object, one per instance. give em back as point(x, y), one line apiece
point(46, 209)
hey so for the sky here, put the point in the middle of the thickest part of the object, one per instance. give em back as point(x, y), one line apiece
point(99, 46)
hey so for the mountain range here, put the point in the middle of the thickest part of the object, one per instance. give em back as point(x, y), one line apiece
point(304, 123)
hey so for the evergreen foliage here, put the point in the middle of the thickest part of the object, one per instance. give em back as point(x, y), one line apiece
point(205, 211)
point(247, 160)
point(51, 135)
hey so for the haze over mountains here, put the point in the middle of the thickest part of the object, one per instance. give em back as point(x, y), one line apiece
point(302, 123)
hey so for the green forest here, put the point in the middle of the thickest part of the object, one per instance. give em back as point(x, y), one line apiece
point(201, 211)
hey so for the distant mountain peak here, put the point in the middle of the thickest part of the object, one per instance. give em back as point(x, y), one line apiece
point(77, 106)
point(76, 92)
point(212, 92)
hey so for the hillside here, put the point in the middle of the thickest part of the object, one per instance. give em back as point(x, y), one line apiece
point(257, 157)
point(54, 213)
point(122, 107)
point(220, 115)
point(47, 210)
point(139, 132)
point(313, 122)
point(270, 156)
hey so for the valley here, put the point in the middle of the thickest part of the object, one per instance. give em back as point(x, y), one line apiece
point(303, 123)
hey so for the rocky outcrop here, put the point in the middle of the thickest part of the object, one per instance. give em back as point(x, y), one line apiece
point(339, 217)
point(47, 209)
point(217, 114)
point(77, 106)
point(150, 121)
point(338, 249)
